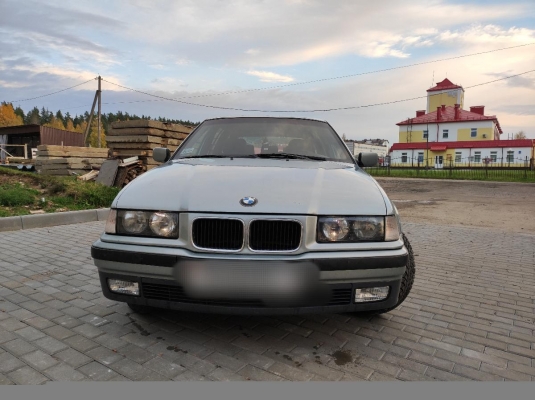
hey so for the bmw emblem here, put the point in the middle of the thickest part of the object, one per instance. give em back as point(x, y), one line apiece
point(248, 201)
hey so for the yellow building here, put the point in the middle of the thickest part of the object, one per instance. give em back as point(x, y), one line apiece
point(447, 135)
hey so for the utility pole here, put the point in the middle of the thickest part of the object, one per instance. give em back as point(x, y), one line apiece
point(88, 128)
point(99, 109)
point(427, 148)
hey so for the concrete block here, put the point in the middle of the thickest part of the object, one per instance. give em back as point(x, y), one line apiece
point(10, 224)
point(53, 219)
point(102, 214)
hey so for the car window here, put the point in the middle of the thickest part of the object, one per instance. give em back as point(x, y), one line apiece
point(264, 137)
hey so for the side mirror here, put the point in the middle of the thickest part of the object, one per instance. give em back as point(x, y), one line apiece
point(161, 154)
point(368, 159)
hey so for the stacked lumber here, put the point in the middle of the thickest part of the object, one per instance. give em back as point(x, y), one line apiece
point(139, 137)
point(128, 170)
point(68, 160)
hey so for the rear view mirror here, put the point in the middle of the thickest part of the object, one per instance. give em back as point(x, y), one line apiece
point(161, 154)
point(368, 159)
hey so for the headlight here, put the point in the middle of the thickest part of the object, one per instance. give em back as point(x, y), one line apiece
point(351, 229)
point(134, 221)
point(163, 224)
point(147, 223)
point(334, 229)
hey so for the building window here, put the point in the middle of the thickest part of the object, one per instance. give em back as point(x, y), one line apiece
point(420, 157)
point(444, 133)
point(477, 156)
point(473, 132)
point(493, 156)
point(510, 156)
point(425, 135)
point(403, 157)
point(457, 156)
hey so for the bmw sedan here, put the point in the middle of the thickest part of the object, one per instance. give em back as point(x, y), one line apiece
point(256, 216)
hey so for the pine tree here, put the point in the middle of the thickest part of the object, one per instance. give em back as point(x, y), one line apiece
point(20, 112)
point(59, 116)
point(46, 116)
point(33, 117)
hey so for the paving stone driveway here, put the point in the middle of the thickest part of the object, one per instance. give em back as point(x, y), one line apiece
point(470, 316)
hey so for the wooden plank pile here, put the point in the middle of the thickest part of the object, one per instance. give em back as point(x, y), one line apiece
point(116, 172)
point(139, 137)
point(68, 160)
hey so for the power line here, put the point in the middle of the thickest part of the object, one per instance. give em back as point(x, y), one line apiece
point(363, 73)
point(50, 94)
point(303, 111)
point(347, 76)
point(289, 84)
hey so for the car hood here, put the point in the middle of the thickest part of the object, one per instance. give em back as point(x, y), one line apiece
point(280, 186)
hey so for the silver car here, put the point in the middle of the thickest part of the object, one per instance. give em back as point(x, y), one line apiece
point(256, 216)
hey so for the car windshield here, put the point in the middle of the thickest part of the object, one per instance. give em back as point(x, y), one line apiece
point(265, 138)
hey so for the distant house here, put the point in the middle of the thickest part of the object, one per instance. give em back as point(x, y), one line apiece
point(18, 141)
point(379, 146)
point(446, 134)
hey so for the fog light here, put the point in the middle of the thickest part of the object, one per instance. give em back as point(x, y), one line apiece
point(371, 294)
point(123, 287)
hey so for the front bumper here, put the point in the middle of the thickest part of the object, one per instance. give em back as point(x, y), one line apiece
point(338, 274)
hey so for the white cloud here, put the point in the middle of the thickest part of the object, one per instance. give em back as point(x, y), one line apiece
point(295, 32)
point(488, 34)
point(266, 76)
point(375, 50)
point(182, 61)
point(13, 84)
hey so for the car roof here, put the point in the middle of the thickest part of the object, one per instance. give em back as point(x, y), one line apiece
point(262, 117)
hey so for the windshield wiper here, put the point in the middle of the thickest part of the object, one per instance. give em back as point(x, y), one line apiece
point(290, 155)
point(205, 156)
point(219, 156)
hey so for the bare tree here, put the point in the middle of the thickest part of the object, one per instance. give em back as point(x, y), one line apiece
point(520, 135)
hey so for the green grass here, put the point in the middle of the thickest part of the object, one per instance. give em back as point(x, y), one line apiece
point(25, 191)
point(479, 175)
point(13, 195)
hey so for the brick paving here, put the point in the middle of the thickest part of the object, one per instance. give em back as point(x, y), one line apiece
point(470, 316)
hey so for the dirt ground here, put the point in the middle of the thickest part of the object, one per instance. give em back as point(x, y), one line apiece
point(501, 206)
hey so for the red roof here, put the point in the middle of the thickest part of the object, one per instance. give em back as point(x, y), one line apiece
point(436, 147)
point(440, 146)
point(448, 115)
point(444, 85)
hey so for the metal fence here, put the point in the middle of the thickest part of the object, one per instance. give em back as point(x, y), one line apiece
point(458, 162)
point(505, 170)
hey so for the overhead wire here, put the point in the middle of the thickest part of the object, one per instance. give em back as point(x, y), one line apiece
point(50, 94)
point(302, 111)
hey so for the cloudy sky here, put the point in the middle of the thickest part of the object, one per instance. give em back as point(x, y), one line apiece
point(271, 55)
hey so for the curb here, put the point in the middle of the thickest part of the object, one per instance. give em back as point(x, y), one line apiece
point(52, 219)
